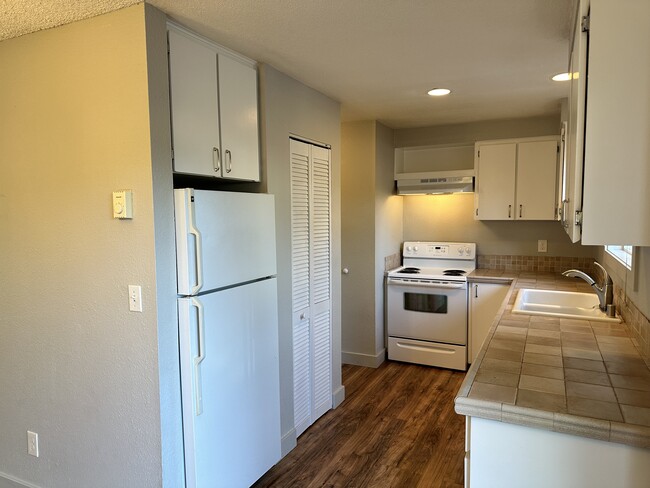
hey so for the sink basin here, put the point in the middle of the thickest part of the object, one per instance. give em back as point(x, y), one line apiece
point(564, 304)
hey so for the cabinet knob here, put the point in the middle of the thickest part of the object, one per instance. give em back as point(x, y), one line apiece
point(346, 271)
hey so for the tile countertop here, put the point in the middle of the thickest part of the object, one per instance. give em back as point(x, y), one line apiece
point(564, 375)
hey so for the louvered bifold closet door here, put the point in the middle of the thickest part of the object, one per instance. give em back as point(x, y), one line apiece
point(320, 280)
point(311, 278)
point(302, 404)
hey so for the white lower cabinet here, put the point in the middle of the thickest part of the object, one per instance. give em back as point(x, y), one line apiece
point(508, 455)
point(485, 300)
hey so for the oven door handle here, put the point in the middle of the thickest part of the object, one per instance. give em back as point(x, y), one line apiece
point(426, 284)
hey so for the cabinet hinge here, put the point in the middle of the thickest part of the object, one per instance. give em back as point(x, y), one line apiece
point(479, 153)
point(584, 23)
point(172, 153)
point(579, 218)
point(558, 149)
point(477, 211)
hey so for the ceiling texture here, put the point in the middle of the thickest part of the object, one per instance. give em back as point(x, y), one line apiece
point(377, 57)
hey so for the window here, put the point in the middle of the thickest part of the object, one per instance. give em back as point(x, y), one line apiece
point(622, 253)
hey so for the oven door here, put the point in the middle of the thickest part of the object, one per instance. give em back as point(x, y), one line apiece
point(430, 311)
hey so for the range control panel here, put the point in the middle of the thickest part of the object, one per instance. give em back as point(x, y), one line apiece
point(442, 250)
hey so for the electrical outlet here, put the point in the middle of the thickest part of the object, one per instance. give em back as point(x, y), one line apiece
point(32, 443)
point(542, 245)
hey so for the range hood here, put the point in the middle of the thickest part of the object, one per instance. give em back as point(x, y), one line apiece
point(435, 185)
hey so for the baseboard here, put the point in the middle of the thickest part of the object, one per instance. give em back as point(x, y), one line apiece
point(367, 360)
point(288, 442)
point(338, 396)
point(7, 481)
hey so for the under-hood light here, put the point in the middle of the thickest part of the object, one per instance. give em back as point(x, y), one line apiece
point(439, 92)
point(562, 77)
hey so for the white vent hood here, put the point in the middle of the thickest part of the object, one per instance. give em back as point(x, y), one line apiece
point(436, 185)
point(431, 170)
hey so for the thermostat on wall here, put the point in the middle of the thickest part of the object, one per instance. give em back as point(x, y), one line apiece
point(123, 204)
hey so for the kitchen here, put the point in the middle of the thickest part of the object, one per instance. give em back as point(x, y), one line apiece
point(80, 333)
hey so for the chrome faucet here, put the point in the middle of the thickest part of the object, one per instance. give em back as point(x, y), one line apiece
point(604, 292)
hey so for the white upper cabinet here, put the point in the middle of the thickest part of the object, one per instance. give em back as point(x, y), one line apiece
point(536, 180)
point(616, 198)
point(516, 179)
point(214, 110)
point(571, 209)
point(612, 39)
point(495, 186)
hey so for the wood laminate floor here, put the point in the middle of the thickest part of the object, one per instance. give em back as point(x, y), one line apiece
point(396, 428)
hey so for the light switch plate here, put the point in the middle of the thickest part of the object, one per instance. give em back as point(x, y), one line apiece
point(135, 298)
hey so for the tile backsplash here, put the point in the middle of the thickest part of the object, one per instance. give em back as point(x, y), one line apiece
point(638, 324)
point(553, 264)
point(392, 261)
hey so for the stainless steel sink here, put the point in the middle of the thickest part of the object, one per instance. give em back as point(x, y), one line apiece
point(564, 304)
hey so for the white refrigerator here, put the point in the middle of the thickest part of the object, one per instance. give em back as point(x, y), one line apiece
point(228, 335)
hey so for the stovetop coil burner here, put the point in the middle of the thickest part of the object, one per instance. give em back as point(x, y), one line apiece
point(410, 270)
point(454, 272)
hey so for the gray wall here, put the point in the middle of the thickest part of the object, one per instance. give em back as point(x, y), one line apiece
point(163, 202)
point(289, 107)
point(450, 217)
point(478, 131)
point(372, 230)
point(635, 282)
point(388, 221)
point(358, 241)
point(75, 365)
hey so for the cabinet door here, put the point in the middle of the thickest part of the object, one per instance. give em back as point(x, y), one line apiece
point(572, 186)
point(194, 106)
point(239, 135)
point(616, 205)
point(485, 301)
point(496, 181)
point(536, 177)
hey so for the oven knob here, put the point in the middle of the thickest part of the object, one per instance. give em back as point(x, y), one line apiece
point(468, 250)
point(408, 248)
point(460, 250)
point(415, 248)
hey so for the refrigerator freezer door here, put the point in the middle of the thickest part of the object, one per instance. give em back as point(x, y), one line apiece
point(236, 437)
point(223, 238)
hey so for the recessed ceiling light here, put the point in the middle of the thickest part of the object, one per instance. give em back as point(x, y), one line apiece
point(562, 77)
point(439, 92)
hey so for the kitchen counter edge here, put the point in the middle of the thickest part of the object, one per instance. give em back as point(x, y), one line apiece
point(606, 430)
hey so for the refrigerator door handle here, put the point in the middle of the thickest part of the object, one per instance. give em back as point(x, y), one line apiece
point(198, 395)
point(198, 248)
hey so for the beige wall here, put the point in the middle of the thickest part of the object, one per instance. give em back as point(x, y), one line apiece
point(289, 107)
point(451, 217)
point(75, 365)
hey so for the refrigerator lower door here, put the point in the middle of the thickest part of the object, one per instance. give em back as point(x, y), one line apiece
point(230, 385)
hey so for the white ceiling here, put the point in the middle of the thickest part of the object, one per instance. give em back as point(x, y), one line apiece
point(377, 57)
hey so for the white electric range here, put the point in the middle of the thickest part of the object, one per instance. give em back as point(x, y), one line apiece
point(427, 304)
